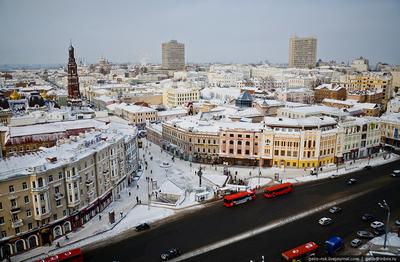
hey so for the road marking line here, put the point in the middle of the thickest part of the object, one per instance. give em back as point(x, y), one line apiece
point(262, 229)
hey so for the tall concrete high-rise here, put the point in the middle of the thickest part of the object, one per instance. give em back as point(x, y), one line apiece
point(173, 55)
point(302, 52)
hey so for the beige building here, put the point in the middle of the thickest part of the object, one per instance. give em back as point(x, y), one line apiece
point(134, 113)
point(302, 52)
point(173, 55)
point(390, 129)
point(47, 194)
point(173, 97)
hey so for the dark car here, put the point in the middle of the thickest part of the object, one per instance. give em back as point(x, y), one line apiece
point(141, 227)
point(367, 217)
point(367, 167)
point(365, 234)
point(379, 231)
point(170, 254)
point(351, 181)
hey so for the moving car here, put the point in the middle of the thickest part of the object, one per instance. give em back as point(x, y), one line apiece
point(325, 221)
point(351, 181)
point(367, 167)
point(365, 234)
point(141, 227)
point(395, 173)
point(334, 176)
point(170, 254)
point(377, 224)
point(356, 242)
point(367, 217)
point(334, 210)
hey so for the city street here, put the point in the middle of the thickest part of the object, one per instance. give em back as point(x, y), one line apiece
point(216, 223)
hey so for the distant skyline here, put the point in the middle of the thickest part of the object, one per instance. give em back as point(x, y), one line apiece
point(38, 32)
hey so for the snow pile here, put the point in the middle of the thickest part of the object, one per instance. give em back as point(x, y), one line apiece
point(392, 240)
point(218, 180)
point(255, 182)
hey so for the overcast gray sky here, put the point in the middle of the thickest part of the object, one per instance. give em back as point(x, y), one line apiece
point(34, 32)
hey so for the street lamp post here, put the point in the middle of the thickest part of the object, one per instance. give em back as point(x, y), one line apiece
point(199, 173)
point(387, 207)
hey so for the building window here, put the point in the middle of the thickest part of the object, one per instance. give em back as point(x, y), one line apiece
point(28, 213)
point(230, 151)
point(239, 142)
point(247, 152)
point(239, 151)
point(60, 175)
point(26, 199)
point(50, 178)
point(3, 234)
point(17, 231)
point(1, 206)
point(231, 142)
point(30, 226)
point(55, 217)
point(247, 143)
point(42, 197)
point(276, 153)
point(1, 220)
point(13, 203)
point(58, 203)
point(64, 212)
point(24, 185)
point(11, 189)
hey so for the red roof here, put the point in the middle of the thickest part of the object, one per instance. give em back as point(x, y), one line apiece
point(63, 256)
point(238, 195)
point(279, 186)
point(299, 251)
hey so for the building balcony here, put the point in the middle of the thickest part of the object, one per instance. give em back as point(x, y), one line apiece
point(17, 223)
point(74, 203)
point(90, 193)
point(73, 178)
point(40, 189)
point(12, 197)
point(88, 183)
point(58, 196)
point(15, 210)
point(43, 215)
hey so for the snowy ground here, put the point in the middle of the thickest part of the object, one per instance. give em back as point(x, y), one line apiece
point(181, 173)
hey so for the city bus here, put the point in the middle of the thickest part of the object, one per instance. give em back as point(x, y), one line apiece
point(73, 255)
point(278, 190)
point(239, 198)
point(300, 253)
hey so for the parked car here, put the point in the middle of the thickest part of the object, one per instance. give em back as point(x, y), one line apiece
point(395, 173)
point(170, 254)
point(365, 234)
point(351, 181)
point(367, 167)
point(334, 176)
point(141, 227)
point(377, 224)
point(367, 217)
point(325, 221)
point(379, 231)
point(334, 210)
point(356, 242)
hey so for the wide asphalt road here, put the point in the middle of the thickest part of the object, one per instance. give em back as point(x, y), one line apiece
point(216, 222)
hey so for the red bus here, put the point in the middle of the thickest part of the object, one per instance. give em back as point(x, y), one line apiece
point(239, 198)
point(300, 253)
point(277, 190)
point(73, 255)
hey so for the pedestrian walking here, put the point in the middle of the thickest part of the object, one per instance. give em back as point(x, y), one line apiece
point(129, 193)
point(137, 199)
point(99, 217)
point(140, 201)
point(66, 237)
point(137, 186)
point(121, 213)
point(58, 244)
point(151, 171)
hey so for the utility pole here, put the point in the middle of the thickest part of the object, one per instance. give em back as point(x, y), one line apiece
point(385, 205)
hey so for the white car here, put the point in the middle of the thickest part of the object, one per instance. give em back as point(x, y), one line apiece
point(325, 221)
point(395, 173)
point(377, 224)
